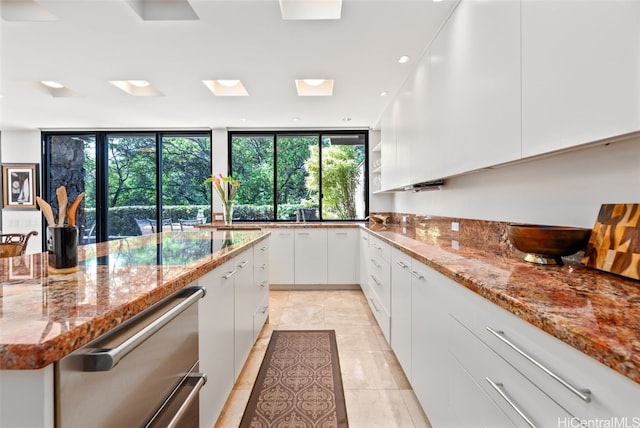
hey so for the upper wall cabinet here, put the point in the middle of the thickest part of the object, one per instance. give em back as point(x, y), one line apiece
point(580, 72)
point(474, 101)
point(414, 147)
point(388, 157)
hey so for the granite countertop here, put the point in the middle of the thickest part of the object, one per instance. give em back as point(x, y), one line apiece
point(45, 317)
point(596, 312)
point(282, 225)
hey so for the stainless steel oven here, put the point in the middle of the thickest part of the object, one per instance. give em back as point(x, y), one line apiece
point(141, 374)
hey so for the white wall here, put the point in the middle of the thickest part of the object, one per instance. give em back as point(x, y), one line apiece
point(22, 147)
point(565, 189)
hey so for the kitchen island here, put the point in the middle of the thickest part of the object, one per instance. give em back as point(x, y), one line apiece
point(44, 317)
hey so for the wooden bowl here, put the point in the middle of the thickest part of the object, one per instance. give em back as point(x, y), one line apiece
point(547, 244)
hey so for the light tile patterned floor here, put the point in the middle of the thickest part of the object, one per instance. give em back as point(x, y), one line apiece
point(377, 393)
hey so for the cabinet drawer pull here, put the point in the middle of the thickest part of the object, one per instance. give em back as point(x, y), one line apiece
point(263, 266)
point(505, 397)
point(263, 284)
point(376, 246)
point(364, 238)
point(263, 248)
point(375, 263)
point(583, 394)
point(264, 310)
point(375, 280)
point(230, 274)
point(342, 233)
point(303, 233)
point(403, 265)
point(242, 264)
point(417, 275)
point(373, 303)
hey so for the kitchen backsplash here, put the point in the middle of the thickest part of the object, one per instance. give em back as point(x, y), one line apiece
point(492, 235)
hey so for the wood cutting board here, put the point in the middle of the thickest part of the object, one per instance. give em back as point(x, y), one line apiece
point(614, 245)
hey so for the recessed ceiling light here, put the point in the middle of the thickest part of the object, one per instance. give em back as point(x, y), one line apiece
point(403, 59)
point(137, 88)
point(139, 83)
point(346, 119)
point(314, 87)
point(295, 119)
point(311, 9)
point(228, 83)
point(314, 82)
point(52, 84)
point(226, 88)
point(384, 93)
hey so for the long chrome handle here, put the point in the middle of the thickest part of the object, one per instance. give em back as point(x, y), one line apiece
point(342, 233)
point(102, 359)
point(230, 274)
point(403, 265)
point(417, 275)
point(373, 302)
point(302, 233)
point(505, 397)
point(375, 280)
point(583, 394)
point(242, 264)
point(195, 381)
point(375, 263)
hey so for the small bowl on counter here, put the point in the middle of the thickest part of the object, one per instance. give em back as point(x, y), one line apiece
point(546, 245)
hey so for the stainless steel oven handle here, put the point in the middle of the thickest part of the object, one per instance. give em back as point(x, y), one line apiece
point(101, 360)
point(201, 379)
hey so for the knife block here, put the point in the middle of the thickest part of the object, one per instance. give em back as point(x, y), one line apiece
point(62, 246)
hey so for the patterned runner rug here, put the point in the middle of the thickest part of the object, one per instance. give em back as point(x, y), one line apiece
point(299, 383)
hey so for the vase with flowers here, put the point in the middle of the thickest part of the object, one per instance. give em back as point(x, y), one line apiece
point(227, 188)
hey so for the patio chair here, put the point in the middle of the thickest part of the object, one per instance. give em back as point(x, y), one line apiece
point(144, 224)
point(14, 244)
point(167, 225)
point(189, 223)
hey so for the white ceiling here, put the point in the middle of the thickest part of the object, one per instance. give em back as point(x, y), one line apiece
point(95, 41)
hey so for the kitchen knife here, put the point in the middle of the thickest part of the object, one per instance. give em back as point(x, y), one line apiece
point(71, 215)
point(62, 204)
point(46, 211)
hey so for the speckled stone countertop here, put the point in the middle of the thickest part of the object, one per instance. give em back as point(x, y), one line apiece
point(282, 225)
point(45, 317)
point(595, 312)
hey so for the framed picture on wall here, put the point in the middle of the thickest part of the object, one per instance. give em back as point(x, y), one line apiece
point(19, 186)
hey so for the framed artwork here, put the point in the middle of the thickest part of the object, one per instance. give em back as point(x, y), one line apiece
point(19, 186)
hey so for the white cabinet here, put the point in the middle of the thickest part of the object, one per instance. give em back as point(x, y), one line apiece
point(474, 102)
point(401, 308)
point(429, 344)
point(388, 156)
point(260, 286)
point(364, 258)
point(310, 256)
point(281, 256)
point(580, 72)
point(342, 256)
point(244, 308)
point(216, 336)
point(417, 157)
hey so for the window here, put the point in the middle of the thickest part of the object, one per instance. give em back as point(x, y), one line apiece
point(132, 181)
point(283, 175)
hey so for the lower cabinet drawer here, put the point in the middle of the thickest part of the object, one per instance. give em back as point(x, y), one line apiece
point(380, 313)
point(260, 316)
point(518, 398)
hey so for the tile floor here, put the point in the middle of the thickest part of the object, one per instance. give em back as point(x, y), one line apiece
point(377, 393)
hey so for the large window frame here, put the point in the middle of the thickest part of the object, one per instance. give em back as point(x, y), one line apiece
point(101, 173)
point(275, 134)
